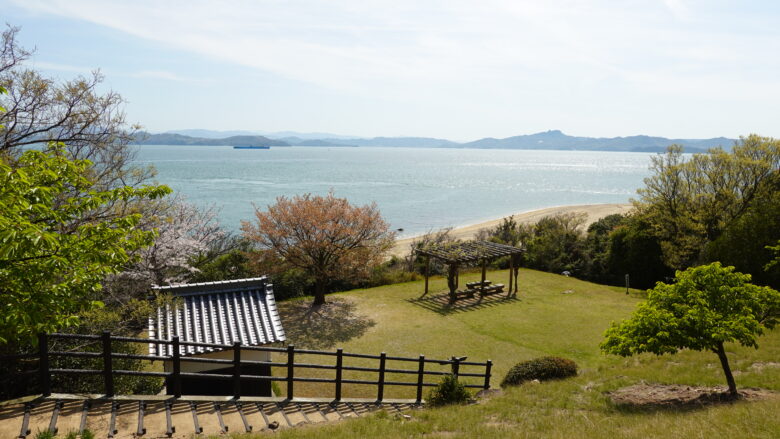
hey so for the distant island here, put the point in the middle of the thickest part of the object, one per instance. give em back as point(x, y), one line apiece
point(548, 140)
point(144, 138)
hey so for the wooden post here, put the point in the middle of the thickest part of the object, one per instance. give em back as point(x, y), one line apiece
point(380, 392)
point(488, 366)
point(511, 272)
point(482, 286)
point(43, 364)
point(455, 367)
point(290, 370)
point(420, 378)
point(452, 280)
point(108, 376)
point(176, 378)
point(427, 272)
point(339, 365)
point(237, 369)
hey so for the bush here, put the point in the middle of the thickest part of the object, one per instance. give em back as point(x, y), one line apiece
point(545, 368)
point(449, 391)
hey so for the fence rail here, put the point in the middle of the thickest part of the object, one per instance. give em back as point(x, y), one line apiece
point(290, 366)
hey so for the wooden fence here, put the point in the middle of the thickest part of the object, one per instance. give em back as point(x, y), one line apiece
point(290, 366)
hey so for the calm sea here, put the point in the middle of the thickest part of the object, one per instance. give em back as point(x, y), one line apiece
point(416, 189)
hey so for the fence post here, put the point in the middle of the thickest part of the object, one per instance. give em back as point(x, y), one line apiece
point(237, 369)
point(488, 366)
point(108, 376)
point(420, 377)
point(43, 363)
point(290, 370)
point(380, 392)
point(455, 367)
point(176, 378)
point(339, 364)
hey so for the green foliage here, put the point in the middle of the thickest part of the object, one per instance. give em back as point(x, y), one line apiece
point(448, 391)
point(556, 244)
point(87, 434)
point(44, 434)
point(95, 321)
point(71, 435)
point(508, 232)
point(634, 250)
point(54, 248)
point(745, 242)
point(706, 307)
point(542, 369)
point(597, 245)
point(774, 263)
point(690, 202)
point(293, 282)
point(233, 265)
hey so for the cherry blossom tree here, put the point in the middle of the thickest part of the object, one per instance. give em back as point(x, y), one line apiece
point(326, 237)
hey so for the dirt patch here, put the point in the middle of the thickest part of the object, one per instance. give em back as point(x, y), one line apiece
point(758, 367)
point(660, 396)
point(485, 394)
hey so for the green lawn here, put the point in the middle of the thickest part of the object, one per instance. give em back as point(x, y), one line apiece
point(553, 315)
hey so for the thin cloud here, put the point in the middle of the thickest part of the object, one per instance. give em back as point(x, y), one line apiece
point(491, 54)
point(166, 76)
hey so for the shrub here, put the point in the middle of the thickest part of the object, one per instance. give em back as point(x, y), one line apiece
point(545, 368)
point(44, 434)
point(449, 391)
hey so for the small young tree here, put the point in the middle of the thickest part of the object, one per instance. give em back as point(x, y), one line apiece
point(706, 307)
point(324, 236)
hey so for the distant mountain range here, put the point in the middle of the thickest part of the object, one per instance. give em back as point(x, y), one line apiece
point(144, 138)
point(549, 140)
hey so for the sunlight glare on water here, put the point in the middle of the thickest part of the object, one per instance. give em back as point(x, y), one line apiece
point(417, 189)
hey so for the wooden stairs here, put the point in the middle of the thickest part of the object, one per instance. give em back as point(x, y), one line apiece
point(167, 417)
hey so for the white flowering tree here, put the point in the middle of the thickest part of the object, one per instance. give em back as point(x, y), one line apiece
point(184, 231)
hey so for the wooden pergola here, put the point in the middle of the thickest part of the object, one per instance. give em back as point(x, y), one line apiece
point(456, 254)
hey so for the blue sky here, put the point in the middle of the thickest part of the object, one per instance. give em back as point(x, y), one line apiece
point(455, 69)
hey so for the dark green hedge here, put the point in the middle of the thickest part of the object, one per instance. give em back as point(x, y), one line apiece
point(545, 368)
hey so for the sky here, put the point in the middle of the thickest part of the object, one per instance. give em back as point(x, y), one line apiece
point(454, 69)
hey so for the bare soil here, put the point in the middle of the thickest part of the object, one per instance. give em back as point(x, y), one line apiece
point(661, 395)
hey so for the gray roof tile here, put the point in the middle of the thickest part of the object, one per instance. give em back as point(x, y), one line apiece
point(220, 312)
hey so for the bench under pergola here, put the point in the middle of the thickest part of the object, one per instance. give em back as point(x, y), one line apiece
point(456, 254)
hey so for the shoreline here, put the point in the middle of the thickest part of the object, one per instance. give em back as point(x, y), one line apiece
point(594, 212)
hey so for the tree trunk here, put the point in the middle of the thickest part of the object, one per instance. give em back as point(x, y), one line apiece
point(724, 362)
point(319, 293)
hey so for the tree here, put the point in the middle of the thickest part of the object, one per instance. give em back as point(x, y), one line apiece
point(185, 234)
point(705, 308)
point(636, 251)
point(556, 243)
point(325, 236)
point(54, 252)
point(597, 243)
point(745, 241)
point(690, 202)
point(91, 124)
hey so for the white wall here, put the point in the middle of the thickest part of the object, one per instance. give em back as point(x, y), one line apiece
point(246, 355)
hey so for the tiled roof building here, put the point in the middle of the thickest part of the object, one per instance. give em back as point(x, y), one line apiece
point(224, 312)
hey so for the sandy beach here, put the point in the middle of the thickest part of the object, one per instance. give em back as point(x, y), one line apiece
point(593, 211)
